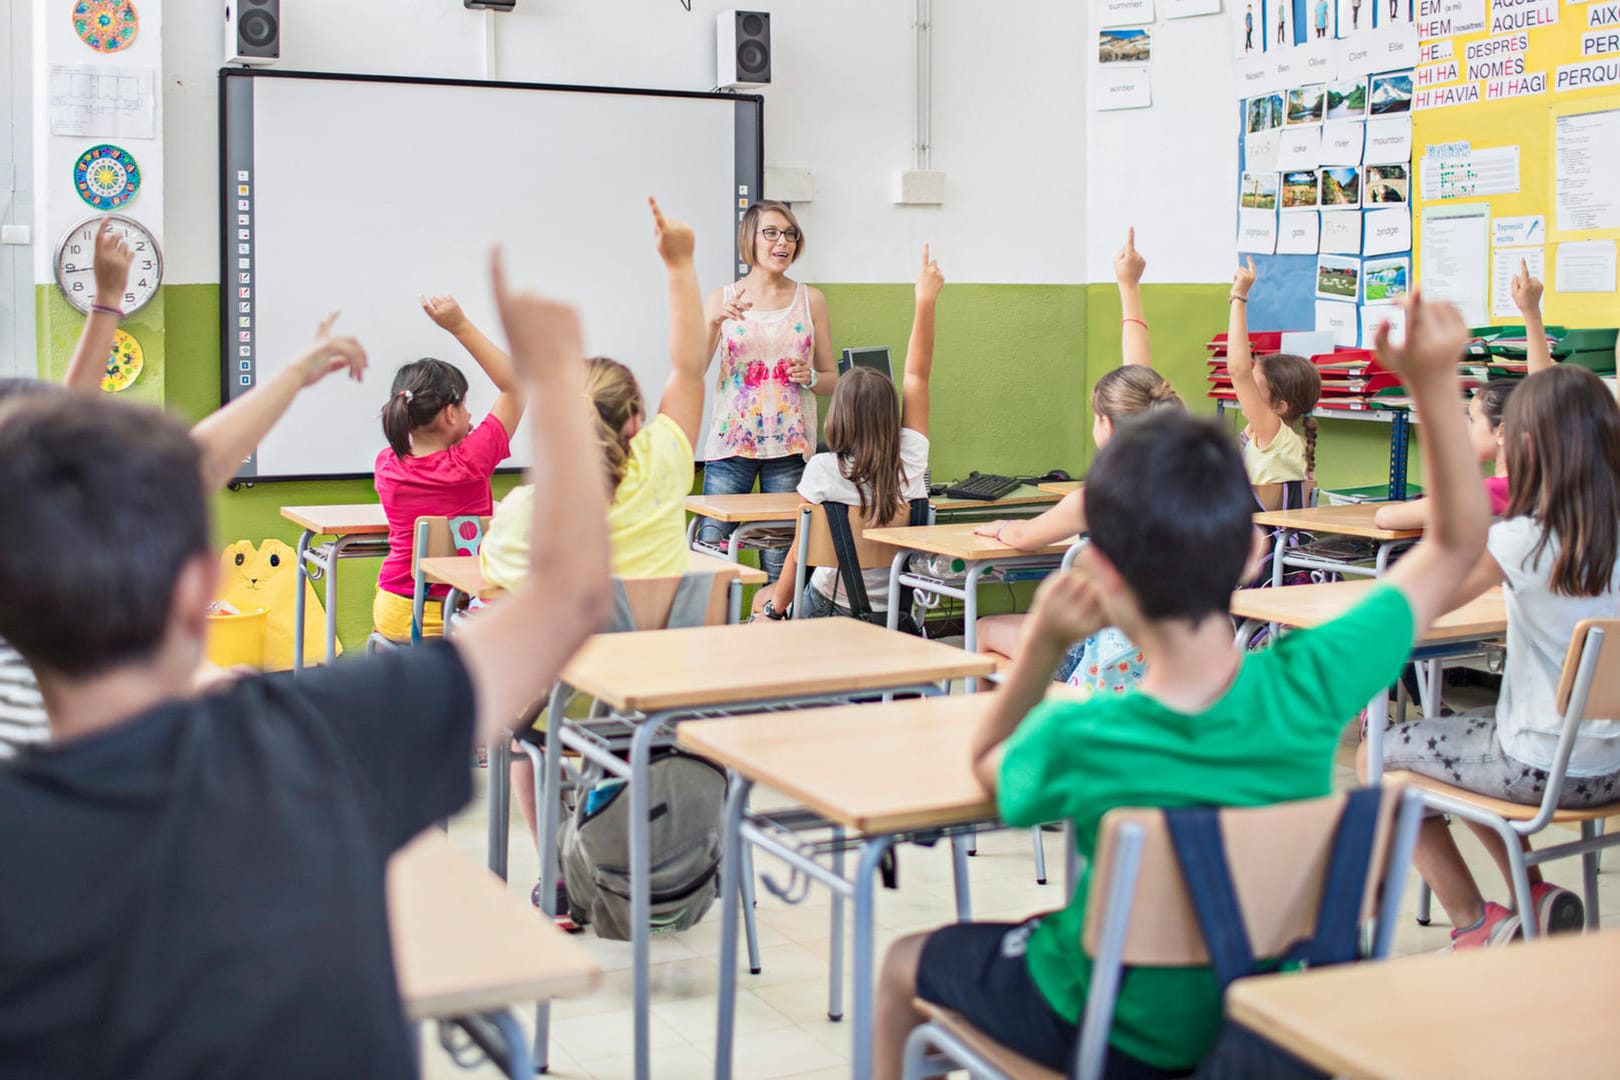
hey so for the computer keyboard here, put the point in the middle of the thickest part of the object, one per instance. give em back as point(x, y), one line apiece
point(987, 487)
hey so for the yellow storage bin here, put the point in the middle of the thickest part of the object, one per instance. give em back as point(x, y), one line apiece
point(237, 640)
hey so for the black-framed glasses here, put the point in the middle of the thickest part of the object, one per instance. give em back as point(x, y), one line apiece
point(773, 234)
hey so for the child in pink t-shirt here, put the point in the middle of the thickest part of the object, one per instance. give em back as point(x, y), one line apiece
point(436, 463)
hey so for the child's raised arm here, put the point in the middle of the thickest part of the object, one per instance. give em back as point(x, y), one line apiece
point(688, 337)
point(1262, 419)
point(514, 650)
point(1133, 328)
point(1527, 297)
point(1459, 515)
point(227, 436)
point(914, 396)
point(111, 265)
point(508, 407)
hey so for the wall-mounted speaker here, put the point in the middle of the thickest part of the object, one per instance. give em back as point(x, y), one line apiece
point(742, 49)
point(252, 31)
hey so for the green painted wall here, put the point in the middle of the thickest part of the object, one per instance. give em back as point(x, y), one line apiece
point(1013, 369)
point(58, 325)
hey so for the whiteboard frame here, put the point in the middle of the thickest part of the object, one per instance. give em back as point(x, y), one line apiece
point(236, 125)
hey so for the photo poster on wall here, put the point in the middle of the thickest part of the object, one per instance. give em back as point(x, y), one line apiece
point(1324, 180)
point(1516, 120)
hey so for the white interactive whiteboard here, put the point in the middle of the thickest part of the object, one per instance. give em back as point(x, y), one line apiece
point(359, 192)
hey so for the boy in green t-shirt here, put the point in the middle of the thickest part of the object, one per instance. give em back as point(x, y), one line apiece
point(1168, 505)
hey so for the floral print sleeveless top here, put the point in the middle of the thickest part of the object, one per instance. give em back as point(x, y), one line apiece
point(758, 411)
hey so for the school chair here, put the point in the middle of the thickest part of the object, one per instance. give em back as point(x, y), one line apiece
point(1216, 886)
point(1588, 690)
point(1293, 495)
point(436, 537)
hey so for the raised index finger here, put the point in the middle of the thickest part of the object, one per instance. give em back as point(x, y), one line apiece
point(658, 215)
point(1130, 238)
point(497, 274)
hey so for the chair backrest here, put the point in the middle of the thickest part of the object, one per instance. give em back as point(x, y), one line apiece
point(1278, 857)
point(434, 540)
point(870, 554)
point(1291, 496)
point(1603, 691)
point(651, 598)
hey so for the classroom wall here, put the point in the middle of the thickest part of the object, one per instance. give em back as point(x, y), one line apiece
point(1037, 192)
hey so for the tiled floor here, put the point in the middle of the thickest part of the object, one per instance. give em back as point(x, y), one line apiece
point(782, 1025)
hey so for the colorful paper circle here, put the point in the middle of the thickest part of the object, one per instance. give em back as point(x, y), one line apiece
point(107, 176)
point(107, 26)
point(124, 363)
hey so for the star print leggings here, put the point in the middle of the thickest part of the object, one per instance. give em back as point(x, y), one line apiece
point(1462, 749)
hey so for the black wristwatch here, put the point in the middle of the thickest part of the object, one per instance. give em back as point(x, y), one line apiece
point(770, 612)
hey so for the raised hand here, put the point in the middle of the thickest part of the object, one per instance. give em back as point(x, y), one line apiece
point(1526, 289)
point(444, 311)
point(545, 335)
point(734, 309)
point(1243, 279)
point(929, 280)
point(1436, 336)
point(111, 265)
point(675, 238)
point(331, 354)
point(1128, 262)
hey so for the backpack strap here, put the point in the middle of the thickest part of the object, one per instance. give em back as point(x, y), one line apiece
point(1195, 833)
point(849, 564)
point(1338, 919)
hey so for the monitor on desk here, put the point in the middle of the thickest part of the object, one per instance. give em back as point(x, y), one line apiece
point(874, 357)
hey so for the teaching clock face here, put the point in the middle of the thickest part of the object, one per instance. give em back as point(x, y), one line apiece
point(75, 263)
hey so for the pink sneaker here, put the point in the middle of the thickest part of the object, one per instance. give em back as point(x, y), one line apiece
point(1498, 927)
point(1558, 911)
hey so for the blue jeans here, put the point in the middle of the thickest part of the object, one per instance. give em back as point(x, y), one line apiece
point(737, 476)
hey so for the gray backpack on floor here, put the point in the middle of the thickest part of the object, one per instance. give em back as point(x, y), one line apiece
point(687, 801)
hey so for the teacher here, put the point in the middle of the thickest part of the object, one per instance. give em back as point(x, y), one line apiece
point(775, 353)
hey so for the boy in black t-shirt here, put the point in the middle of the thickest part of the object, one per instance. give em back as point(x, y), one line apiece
point(192, 885)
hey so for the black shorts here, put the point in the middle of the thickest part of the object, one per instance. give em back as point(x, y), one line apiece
point(978, 970)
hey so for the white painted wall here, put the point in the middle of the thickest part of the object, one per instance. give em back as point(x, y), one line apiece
point(1169, 170)
point(1008, 121)
point(16, 191)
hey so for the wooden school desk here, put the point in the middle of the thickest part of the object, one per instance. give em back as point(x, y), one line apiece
point(650, 681)
point(752, 513)
point(1353, 520)
point(1455, 633)
point(1061, 488)
point(978, 555)
point(1025, 499)
point(358, 531)
point(880, 772)
point(465, 576)
point(465, 949)
point(1543, 1008)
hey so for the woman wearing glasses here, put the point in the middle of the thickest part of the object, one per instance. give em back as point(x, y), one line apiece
point(775, 358)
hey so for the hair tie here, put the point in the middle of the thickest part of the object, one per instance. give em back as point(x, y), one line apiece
point(407, 395)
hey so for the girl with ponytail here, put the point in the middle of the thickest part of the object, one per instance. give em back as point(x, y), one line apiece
point(1275, 393)
point(1107, 660)
point(646, 462)
point(436, 462)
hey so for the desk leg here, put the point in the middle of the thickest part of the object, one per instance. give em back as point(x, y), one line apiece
point(333, 555)
point(835, 975)
point(970, 616)
point(865, 912)
point(548, 806)
point(641, 889)
point(691, 530)
point(1277, 557)
point(298, 600)
point(452, 604)
point(731, 866)
point(959, 873)
point(1377, 717)
point(895, 564)
point(734, 603)
point(500, 800)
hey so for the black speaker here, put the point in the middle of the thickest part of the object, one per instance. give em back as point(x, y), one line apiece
point(252, 31)
point(742, 49)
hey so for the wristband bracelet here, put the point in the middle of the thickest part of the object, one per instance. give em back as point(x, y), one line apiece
point(105, 310)
point(811, 385)
point(1138, 322)
point(1234, 297)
